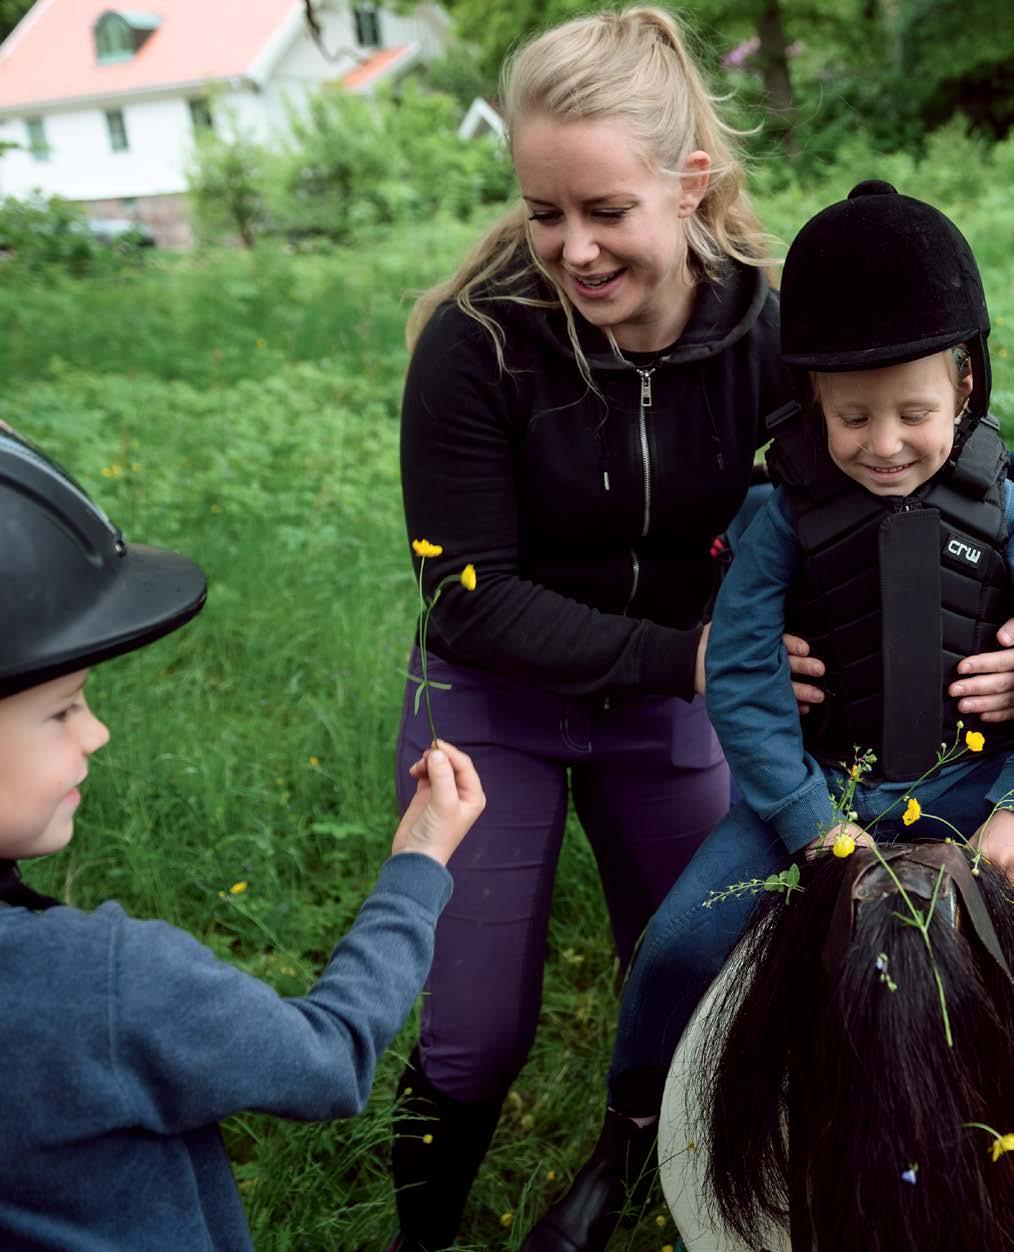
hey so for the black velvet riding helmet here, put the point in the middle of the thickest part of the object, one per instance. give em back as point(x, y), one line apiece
point(880, 279)
point(73, 592)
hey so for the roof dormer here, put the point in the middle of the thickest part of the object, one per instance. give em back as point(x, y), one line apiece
point(120, 34)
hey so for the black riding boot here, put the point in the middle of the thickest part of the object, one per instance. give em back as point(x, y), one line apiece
point(616, 1179)
point(438, 1147)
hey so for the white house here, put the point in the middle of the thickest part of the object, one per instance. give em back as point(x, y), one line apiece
point(104, 102)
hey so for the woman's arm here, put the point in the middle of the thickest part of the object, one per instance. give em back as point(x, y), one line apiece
point(461, 491)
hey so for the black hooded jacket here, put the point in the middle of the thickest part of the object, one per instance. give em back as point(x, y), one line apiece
point(589, 521)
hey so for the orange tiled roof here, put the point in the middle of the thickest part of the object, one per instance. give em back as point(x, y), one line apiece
point(375, 66)
point(51, 55)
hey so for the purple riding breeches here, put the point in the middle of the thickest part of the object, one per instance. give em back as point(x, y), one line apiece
point(648, 782)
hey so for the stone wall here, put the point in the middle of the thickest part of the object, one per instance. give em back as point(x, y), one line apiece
point(167, 217)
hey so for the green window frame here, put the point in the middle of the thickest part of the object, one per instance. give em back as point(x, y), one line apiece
point(38, 145)
point(114, 39)
point(117, 127)
point(367, 20)
point(201, 118)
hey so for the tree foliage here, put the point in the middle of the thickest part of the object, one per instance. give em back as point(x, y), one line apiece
point(820, 68)
point(349, 164)
point(11, 12)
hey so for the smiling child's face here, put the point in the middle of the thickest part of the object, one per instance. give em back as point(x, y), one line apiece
point(892, 428)
point(47, 734)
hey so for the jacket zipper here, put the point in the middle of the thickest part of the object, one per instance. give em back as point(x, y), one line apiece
point(642, 431)
point(642, 427)
point(636, 566)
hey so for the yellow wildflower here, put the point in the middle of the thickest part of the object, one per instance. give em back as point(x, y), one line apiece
point(660, 1220)
point(843, 846)
point(854, 772)
point(314, 762)
point(427, 1138)
point(667, 1247)
point(423, 547)
point(912, 812)
point(237, 888)
point(1002, 1144)
point(468, 577)
point(975, 740)
point(506, 1219)
point(550, 1175)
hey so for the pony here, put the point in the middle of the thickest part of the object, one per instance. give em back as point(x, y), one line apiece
point(848, 1081)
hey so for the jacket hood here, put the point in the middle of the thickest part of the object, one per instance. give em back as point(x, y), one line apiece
point(725, 309)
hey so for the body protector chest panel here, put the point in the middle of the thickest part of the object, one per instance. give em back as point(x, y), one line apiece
point(891, 592)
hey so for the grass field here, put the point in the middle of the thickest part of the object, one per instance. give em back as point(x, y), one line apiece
point(244, 408)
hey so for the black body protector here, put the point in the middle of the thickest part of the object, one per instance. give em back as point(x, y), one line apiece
point(891, 592)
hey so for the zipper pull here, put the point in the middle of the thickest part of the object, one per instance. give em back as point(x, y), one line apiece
point(645, 388)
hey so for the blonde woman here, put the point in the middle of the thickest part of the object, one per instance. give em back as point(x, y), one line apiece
point(581, 414)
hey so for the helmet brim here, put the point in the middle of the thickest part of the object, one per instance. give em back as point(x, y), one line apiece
point(155, 592)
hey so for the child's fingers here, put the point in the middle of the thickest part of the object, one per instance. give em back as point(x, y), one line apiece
point(469, 788)
point(443, 788)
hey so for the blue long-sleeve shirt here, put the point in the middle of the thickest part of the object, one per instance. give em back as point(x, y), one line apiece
point(749, 686)
point(123, 1043)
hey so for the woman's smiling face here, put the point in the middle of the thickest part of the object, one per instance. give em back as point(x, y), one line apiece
point(608, 227)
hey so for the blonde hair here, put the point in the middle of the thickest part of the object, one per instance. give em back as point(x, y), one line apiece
point(630, 64)
point(956, 362)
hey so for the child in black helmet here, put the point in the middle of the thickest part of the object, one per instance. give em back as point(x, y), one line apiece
point(887, 548)
point(125, 1042)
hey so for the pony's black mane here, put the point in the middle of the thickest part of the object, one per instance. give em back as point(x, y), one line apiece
point(837, 1108)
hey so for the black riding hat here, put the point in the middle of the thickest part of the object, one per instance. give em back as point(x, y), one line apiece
point(73, 592)
point(880, 279)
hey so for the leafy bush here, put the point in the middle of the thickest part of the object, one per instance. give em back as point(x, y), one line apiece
point(351, 164)
point(226, 179)
point(38, 233)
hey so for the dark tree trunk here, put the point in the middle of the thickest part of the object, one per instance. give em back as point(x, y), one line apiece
point(774, 66)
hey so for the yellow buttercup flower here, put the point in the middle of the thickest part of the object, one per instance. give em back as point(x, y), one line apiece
point(506, 1219)
point(423, 547)
point(1002, 1144)
point(975, 740)
point(843, 846)
point(913, 812)
point(468, 579)
point(854, 772)
point(237, 888)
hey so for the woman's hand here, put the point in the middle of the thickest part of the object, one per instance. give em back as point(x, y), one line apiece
point(702, 647)
point(804, 666)
point(996, 838)
point(990, 693)
point(801, 664)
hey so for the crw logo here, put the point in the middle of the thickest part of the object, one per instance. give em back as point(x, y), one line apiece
point(958, 548)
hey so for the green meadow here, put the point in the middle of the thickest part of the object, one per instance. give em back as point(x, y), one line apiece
point(243, 407)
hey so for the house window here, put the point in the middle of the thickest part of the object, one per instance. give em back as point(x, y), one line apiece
point(367, 20)
point(118, 36)
point(117, 130)
point(114, 40)
point(37, 144)
point(200, 114)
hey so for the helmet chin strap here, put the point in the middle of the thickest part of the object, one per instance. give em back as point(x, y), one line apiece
point(14, 891)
